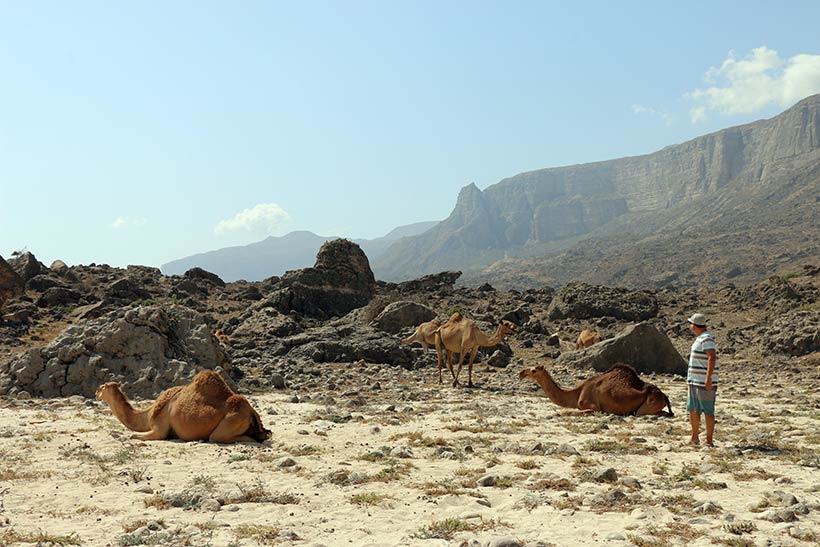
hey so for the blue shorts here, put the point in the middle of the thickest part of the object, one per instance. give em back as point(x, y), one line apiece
point(700, 400)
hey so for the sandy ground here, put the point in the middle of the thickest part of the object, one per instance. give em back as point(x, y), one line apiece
point(411, 463)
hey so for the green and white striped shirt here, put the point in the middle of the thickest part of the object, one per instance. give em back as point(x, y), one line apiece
point(699, 361)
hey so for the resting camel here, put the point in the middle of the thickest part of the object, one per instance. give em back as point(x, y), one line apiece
point(205, 409)
point(587, 338)
point(616, 391)
point(425, 333)
point(460, 335)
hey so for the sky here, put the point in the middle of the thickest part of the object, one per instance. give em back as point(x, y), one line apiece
point(143, 132)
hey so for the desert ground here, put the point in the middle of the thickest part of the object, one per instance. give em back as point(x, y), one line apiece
point(397, 459)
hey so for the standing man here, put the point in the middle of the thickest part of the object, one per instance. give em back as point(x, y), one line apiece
point(702, 379)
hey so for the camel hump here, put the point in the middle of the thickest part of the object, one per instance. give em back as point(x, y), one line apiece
point(211, 382)
point(456, 317)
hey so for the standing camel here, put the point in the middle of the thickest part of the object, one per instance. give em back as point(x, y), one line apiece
point(616, 391)
point(425, 333)
point(460, 335)
point(587, 338)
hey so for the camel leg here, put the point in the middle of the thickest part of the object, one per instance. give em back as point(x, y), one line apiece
point(470, 367)
point(451, 358)
point(231, 429)
point(460, 364)
point(155, 434)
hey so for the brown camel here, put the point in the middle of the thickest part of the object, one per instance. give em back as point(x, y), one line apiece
point(425, 333)
point(616, 391)
point(460, 335)
point(205, 409)
point(587, 338)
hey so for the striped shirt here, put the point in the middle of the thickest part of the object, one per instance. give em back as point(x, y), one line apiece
point(699, 361)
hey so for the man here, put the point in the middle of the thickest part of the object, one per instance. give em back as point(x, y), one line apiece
point(702, 379)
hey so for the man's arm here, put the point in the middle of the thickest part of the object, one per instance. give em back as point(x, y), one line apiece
point(710, 367)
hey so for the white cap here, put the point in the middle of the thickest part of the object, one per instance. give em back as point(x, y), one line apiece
point(698, 319)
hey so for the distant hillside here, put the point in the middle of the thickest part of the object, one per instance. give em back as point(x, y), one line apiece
point(276, 255)
point(632, 219)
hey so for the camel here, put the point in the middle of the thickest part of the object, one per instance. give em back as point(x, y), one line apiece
point(205, 409)
point(425, 333)
point(616, 391)
point(460, 335)
point(587, 338)
point(223, 338)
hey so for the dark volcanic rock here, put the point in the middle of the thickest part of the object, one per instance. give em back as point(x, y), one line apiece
point(27, 266)
point(583, 301)
point(340, 281)
point(351, 343)
point(264, 323)
point(442, 280)
point(126, 289)
point(58, 296)
point(11, 284)
point(43, 282)
point(775, 294)
point(399, 315)
point(148, 349)
point(641, 346)
point(199, 273)
point(794, 333)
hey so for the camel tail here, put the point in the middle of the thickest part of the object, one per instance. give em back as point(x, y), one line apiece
point(668, 405)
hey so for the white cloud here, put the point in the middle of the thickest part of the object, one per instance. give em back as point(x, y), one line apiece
point(125, 222)
point(748, 85)
point(662, 114)
point(260, 219)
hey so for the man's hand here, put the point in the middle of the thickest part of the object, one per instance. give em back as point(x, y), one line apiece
point(708, 384)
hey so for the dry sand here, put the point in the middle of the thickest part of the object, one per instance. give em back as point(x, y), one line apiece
point(401, 465)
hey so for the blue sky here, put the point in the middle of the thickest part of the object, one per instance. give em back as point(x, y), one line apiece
point(141, 132)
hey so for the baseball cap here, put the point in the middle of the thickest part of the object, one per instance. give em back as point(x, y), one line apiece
point(698, 319)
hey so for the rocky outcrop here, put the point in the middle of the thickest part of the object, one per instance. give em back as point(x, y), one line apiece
point(148, 349)
point(340, 281)
point(401, 315)
point(348, 344)
point(432, 282)
point(11, 284)
point(584, 301)
point(775, 294)
point(794, 333)
point(199, 273)
point(27, 266)
point(641, 346)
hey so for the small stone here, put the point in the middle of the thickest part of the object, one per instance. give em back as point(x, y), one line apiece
point(607, 475)
point(402, 452)
point(504, 542)
point(286, 462)
point(144, 490)
point(233, 508)
point(23, 396)
point(616, 536)
point(799, 532)
point(487, 480)
point(484, 502)
point(211, 505)
point(567, 450)
point(278, 381)
point(631, 482)
point(639, 514)
point(294, 399)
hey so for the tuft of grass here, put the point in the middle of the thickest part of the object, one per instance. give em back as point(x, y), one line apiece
point(11, 536)
point(448, 528)
point(368, 498)
point(527, 464)
point(261, 533)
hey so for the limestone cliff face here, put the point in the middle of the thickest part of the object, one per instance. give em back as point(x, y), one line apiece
point(544, 208)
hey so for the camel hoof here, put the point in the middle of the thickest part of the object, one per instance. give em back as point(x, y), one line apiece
point(455, 383)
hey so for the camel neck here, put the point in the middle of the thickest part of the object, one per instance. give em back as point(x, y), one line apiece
point(561, 397)
point(135, 420)
point(496, 338)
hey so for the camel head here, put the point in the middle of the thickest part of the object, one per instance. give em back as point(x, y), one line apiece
point(531, 373)
point(256, 430)
point(105, 390)
point(656, 400)
point(507, 327)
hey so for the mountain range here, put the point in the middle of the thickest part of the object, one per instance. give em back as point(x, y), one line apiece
point(739, 204)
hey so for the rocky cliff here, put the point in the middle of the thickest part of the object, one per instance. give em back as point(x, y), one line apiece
point(545, 211)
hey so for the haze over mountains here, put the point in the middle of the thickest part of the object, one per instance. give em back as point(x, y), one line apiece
point(276, 255)
point(739, 204)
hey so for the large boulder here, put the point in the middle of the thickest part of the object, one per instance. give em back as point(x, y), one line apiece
point(56, 297)
point(199, 273)
point(640, 345)
point(11, 284)
point(584, 301)
point(347, 344)
point(265, 323)
point(402, 314)
point(148, 349)
point(432, 282)
point(26, 265)
point(794, 333)
point(340, 281)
